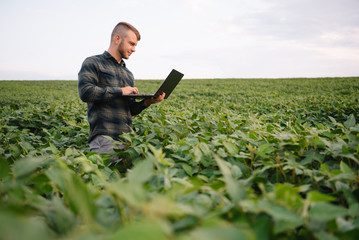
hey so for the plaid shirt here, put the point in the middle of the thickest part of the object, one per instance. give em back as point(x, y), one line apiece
point(100, 80)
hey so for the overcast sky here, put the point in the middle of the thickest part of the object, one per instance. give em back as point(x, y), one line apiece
point(43, 39)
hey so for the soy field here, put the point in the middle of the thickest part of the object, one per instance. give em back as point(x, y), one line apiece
point(220, 159)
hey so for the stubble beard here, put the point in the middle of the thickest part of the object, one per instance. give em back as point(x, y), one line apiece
point(122, 52)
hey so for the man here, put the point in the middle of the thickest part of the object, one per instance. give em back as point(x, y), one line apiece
point(103, 79)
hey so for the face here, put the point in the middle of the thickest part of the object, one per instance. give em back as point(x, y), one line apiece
point(127, 45)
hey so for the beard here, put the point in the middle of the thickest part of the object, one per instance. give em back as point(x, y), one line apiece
point(122, 52)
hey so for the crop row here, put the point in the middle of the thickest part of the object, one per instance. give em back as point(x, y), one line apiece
point(220, 159)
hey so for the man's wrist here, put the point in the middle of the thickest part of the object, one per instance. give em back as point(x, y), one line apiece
point(146, 103)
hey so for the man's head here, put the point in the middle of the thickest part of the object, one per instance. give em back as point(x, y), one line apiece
point(124, 40)
point(122, 28)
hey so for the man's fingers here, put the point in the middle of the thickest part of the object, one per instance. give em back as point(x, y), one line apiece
point(160, 98)
point(129, 90)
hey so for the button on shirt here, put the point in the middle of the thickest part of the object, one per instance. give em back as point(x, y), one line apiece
point(100, 81)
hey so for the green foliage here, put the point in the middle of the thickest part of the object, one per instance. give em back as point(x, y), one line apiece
point(219, 159)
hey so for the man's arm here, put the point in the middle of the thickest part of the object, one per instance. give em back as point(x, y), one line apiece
point(153, 100)
point(89, 90)
point(138, 107)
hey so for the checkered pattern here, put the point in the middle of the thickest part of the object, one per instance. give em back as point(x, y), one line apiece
point(100, 80)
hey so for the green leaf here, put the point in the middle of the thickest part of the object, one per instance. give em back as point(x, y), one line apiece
point(235, 190)
point(59, 176)
point(289, 195)
point(26, 166)
point(205, 149)
point(197, 154)
point(350, 122)
point(354, 210)
point(145, 229)
point(27, 145)
point(13, 226)
point(263, 227)
point(4, 168)
point(53, 148)
point(224, 233)
point(285, 225)
point(332, 119)
point(311, 156)
point(345, 168)
point(236, 172)
point(133, 194)
point(324, 212)
point(159, 156)
point(80, 198)
point(188, 169)
point(15, 150)
point(141, 172)
point(321, 235)
point(265, 149)
point(60, 218)
point(315, 196)
point(231, 148)
point(280, 213)
point(343, 176)
point(324, 169)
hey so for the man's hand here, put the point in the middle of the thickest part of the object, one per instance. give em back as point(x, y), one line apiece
point(129, 90)
point(153, 100)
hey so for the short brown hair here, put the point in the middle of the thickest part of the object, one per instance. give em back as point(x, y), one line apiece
point(118, 30)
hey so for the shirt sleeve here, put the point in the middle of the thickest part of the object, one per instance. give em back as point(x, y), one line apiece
point(136, 107)
point(89, 90)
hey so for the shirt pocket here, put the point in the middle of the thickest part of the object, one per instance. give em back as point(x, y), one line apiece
point(107, 78)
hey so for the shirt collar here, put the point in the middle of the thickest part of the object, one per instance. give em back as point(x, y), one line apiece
point(109, 56)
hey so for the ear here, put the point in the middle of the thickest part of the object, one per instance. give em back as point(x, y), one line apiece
point(117, 39)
